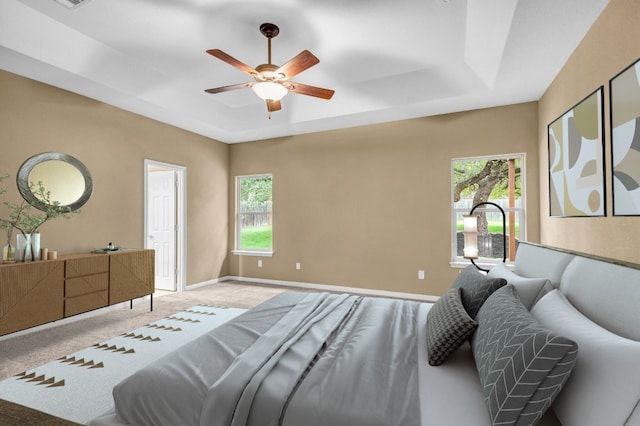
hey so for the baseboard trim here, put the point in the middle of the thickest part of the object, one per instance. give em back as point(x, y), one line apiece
point(205, 283)
point(324, 287)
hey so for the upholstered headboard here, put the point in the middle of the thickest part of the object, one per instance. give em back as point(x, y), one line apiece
point(606, 293)
point(604, 290)
point(536, 261)
point(596, 304)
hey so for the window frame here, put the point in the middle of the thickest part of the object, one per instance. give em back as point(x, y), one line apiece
point(238, 227)
point(459, 261)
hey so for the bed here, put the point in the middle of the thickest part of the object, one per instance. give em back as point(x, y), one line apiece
point(495, 349)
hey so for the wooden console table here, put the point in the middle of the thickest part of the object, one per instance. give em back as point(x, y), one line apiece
point(34, 293)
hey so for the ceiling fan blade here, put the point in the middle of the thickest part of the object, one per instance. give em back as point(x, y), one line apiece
point(228, 88)
point(304, 89)
point(232, 61)
point(273, 106)
point(299, 63)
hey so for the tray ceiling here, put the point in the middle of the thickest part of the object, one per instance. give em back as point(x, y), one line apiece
point(385, 60)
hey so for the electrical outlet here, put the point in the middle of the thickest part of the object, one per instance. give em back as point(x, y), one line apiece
point(298, 265)
point(259, 263)
point(421, 274)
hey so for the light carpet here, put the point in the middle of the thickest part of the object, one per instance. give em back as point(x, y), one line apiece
point(77, 387)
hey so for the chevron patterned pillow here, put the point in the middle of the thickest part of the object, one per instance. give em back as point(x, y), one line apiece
point(448, 327)
point(476, 288)
point(522, 365)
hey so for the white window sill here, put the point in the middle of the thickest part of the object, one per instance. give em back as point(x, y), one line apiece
point(461, 264)
point(252, 253)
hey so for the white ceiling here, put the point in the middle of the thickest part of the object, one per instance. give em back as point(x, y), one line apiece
point(386, 60)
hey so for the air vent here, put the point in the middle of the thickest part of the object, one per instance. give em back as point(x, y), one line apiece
point(72, 4)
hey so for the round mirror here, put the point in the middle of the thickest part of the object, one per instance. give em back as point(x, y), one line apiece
point(64, 177)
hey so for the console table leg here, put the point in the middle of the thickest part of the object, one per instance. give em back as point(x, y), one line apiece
point(131, 304)
point(151, 302)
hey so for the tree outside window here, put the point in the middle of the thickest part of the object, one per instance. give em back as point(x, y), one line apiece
point(254, 213)
point(489, 179)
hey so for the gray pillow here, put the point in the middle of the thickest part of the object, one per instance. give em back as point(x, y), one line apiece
point(448, 327)
point(521, 364)
point(530, 290)
point(476, 288)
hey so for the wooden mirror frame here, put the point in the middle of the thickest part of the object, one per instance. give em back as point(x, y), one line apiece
point(26, 168)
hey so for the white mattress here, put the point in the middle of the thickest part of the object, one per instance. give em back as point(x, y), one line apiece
point(450, 394)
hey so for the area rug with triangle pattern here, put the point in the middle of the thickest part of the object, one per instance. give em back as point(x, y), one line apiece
point(77, 387)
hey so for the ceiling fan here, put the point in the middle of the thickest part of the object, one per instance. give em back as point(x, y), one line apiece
point(272, 81)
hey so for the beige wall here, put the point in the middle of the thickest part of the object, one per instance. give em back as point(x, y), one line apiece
point(113, 144)
point(609, 47)
point(368, 207)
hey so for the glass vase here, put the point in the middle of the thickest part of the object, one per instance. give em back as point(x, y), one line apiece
point(9, 251)
point(24, 251)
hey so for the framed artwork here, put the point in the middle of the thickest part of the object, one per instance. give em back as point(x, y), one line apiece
point(576, 160)
point(625, 141)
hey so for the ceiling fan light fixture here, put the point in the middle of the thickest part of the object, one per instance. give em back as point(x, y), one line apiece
point(272, 81)
point(269, 91)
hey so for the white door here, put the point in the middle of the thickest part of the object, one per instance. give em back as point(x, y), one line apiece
point(162, 226)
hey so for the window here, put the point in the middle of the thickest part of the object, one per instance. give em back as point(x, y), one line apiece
point(489, 179)
point(254, 215)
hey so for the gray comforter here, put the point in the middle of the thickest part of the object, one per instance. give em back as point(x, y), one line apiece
point(298, 359)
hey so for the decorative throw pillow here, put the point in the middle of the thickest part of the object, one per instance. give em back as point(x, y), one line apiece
point(476, 288)
point(522, 365)
point(530, 290)
point(448, 327)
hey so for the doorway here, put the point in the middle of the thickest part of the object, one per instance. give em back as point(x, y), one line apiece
point(165, 222)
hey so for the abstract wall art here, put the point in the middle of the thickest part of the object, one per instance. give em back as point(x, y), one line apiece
point(576, 160)
point(625, 141)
